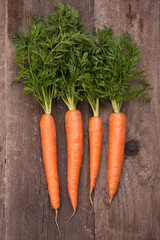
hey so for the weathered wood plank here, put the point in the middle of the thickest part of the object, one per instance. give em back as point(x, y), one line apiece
point(135, 209)
point(3, 25)
point(29, 214)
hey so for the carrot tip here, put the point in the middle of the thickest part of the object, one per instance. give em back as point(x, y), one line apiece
point(71, 216)
point(91, 201)
point(110, 200)
point(90, 198)
point(57, 223)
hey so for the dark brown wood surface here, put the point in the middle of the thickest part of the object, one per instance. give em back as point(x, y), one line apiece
point(25, 211)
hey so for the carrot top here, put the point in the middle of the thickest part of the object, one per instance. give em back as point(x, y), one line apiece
point(44, 49)
point(116, 68)
point(32, 59)
point(74, 59)
point(73, 70)
point(93, 83)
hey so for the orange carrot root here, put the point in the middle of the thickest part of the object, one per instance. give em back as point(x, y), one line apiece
point(74, 131)
point(48, 137)
point(117, 132)
point(95, 140)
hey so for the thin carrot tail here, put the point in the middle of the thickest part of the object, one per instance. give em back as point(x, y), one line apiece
point(71, 216)
point(90, 198)
point(90, 212)
point(110, 200)
point(56, 216)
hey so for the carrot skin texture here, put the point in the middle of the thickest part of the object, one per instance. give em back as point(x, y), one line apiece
point(117, 133)
point(48, 138)
point(95, 141)
point(74, 131)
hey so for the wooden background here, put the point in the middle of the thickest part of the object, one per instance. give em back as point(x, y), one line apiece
point(25, 210)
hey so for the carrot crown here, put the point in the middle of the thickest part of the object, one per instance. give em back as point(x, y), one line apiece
point(116, 68)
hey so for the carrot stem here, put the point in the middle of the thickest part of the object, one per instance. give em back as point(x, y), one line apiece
point(116, 105)
point(47, 96)
point(95, 107)
point(70, 102)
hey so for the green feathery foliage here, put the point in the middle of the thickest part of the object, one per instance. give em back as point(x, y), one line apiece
point(75, 61)
point(47, 50)
point(72, 72)
point(116, 68)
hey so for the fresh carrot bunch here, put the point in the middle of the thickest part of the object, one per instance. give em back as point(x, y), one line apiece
point(58, 59)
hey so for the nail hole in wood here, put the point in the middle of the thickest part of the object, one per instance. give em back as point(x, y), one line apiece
point(131, 148)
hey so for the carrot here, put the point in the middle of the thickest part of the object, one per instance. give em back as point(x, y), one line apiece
point(115, 68)
point(72, 74)
point(74, 131)
point(93, 93)
point(48, 137)
point(40, 81)
point(95, 139)
point(117, 132)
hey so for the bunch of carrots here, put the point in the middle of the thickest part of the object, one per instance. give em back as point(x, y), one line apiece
point(57, 58)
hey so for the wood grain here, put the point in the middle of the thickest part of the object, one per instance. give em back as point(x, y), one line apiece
point(135, 209)
point(3, 26)
point(29, 214)
point(25, 210)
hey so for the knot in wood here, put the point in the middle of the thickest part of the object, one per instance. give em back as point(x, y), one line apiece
point(131, 148)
